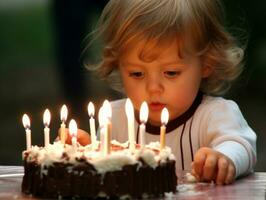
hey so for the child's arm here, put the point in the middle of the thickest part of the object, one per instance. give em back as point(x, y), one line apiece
point(228, 144)
point(211, 165)
point(83, 137)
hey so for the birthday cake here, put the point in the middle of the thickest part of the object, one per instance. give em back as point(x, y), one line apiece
point(64, 171)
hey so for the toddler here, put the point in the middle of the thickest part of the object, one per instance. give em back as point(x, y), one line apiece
point(177, 54)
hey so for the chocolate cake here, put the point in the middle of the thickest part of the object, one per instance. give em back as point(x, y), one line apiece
point(61, 171)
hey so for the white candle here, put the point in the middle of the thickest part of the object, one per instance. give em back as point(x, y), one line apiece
point(26, 124)
point(164, 121)
point(107, 140)
point(107, 110)
point(46, 122)
point(91, 112)
point(101, 127)
point(144, 112)
point(130, 121)
point(73, 130)
point(63, 117)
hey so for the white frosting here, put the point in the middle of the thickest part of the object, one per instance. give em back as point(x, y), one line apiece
point(113, 162)
point(57, 152)
point(169, 195)
point(148, 156)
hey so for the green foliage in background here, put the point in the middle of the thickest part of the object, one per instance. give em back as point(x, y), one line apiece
point(25, 36)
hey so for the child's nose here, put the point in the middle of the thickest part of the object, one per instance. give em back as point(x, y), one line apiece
point(154, 85)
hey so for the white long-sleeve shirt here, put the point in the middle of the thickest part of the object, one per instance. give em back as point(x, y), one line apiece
point(214, 122)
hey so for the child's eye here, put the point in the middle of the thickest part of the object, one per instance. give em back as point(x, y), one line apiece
point(136, 74)
point(171, 74)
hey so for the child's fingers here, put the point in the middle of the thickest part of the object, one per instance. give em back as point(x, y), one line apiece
point(199, 160)
point(210, 167)
point(193, 172)
point(230, 177)
point(83, 137)
point(222, 171)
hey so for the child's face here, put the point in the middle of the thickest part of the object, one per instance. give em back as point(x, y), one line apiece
point(166, 81)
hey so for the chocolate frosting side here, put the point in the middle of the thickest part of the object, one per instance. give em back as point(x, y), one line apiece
point(83, 181)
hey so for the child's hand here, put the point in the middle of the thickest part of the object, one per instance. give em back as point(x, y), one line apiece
point(211, 165)
point(83, 137)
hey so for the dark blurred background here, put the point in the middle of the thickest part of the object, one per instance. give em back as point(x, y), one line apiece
point(41, 67)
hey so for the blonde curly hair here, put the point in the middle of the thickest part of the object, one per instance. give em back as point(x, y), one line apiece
point(123, 22)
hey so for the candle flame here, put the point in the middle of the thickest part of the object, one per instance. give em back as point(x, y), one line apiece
point(73, 128)
point(63, 113)
point(46, 117)
point(164, 116)
point(144, 112)
point(107, 109)
point(26, 121)
point(91, 109)
point(129, 109)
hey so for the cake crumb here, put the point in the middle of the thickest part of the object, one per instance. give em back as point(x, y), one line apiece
point(190, 178)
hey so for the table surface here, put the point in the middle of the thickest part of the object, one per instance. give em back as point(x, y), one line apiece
point(247, 188)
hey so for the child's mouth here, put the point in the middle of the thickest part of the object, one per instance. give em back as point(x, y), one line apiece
point(156, 106)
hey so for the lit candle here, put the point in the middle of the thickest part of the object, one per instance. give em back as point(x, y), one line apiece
point(63, 117)
point(73, 130)
point(91, 112)
point(164, 121)
point(26, 124)
point(130, 123)
point(101, 127)
point(46, 122)
point(107, 112)
point(144, 112)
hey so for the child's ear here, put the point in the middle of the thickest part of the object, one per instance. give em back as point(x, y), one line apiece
point(207, 71)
